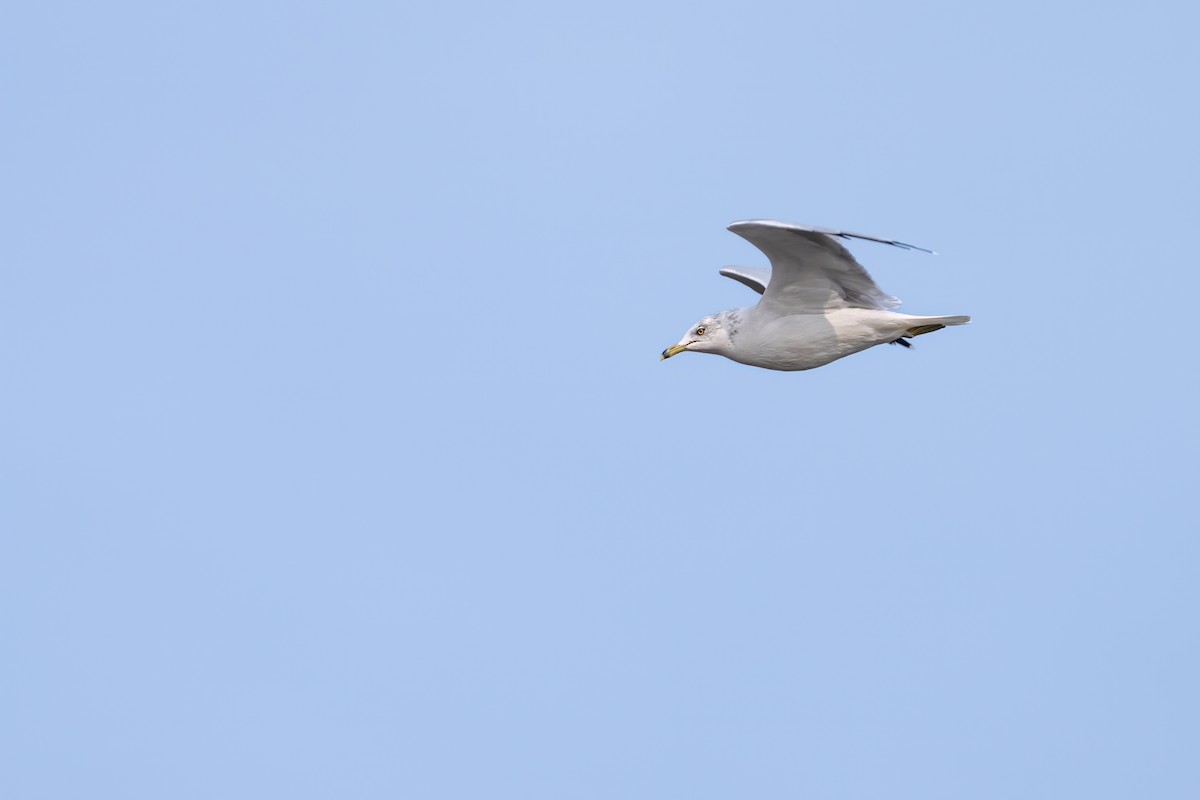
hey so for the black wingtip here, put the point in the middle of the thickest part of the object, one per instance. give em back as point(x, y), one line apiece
point(914, 247)
point(892, 242)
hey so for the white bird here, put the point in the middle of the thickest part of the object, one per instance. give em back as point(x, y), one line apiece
point(818, 304)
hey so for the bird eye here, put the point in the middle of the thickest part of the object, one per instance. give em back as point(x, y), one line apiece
point(700, 331)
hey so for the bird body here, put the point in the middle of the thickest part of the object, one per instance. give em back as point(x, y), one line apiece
point(818, 304)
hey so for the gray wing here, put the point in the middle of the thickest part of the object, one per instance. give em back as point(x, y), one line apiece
point(756, 278)
point(810, 270)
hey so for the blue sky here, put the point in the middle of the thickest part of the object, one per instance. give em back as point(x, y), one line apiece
point(337, 457)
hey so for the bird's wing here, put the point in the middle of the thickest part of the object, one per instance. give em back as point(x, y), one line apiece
point(810, 270)
point(756, 278)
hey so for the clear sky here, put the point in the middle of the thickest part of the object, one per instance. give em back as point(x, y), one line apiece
point(337, 459)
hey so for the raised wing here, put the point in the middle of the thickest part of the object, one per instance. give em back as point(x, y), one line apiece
point(754, 277)
point(810, 270)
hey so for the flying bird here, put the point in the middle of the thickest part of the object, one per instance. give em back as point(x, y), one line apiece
point(818, 304)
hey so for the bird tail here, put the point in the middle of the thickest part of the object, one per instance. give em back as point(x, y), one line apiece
point(923, 325)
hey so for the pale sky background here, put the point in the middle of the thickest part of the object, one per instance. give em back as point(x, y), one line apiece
point(337, 460)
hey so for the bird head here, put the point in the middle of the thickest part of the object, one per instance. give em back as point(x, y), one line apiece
point(709, 335)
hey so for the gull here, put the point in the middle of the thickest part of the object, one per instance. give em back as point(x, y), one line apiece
point(818, 304)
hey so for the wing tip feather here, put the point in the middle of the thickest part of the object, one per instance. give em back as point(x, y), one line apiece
point(741, 225)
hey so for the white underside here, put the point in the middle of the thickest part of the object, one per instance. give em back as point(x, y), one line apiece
point(807, 341)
